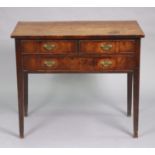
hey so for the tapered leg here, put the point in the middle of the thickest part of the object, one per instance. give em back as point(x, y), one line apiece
point(20, 83)
point(129, 93)
point(136, 102)
point(20, 86)
point(26, 94)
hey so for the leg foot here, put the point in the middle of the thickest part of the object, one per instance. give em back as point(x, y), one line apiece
point(135, 135)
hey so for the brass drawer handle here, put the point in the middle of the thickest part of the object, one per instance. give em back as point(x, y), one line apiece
point(106, 63)
point(49, 63)
point(49, 47)
point(106, 47)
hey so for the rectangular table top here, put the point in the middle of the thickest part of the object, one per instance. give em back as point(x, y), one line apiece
point(77, 29)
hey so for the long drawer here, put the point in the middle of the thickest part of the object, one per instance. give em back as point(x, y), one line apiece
point(96, 64)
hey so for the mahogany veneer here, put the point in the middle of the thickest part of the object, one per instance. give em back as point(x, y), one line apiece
point(78, 47)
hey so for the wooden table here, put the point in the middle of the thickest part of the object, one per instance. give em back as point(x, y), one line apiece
point(78, 47)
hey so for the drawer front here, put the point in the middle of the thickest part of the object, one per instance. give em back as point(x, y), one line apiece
point(80, 64)
point(48, 46)
point(106, 46)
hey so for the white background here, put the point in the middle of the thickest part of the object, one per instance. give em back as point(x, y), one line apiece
point(76, 110)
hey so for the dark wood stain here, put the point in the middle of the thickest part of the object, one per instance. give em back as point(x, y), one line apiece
point(78, 47)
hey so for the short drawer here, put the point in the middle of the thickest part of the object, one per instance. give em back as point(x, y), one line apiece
point(78, 64)
point(107, 46)
point(49, 46)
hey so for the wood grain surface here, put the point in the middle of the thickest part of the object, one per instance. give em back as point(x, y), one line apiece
point(77, 29)
point(78, 47)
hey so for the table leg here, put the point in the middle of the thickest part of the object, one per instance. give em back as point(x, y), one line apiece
point(136, 102)
point(129, 93)
point(20, 85)
point(26, 94)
